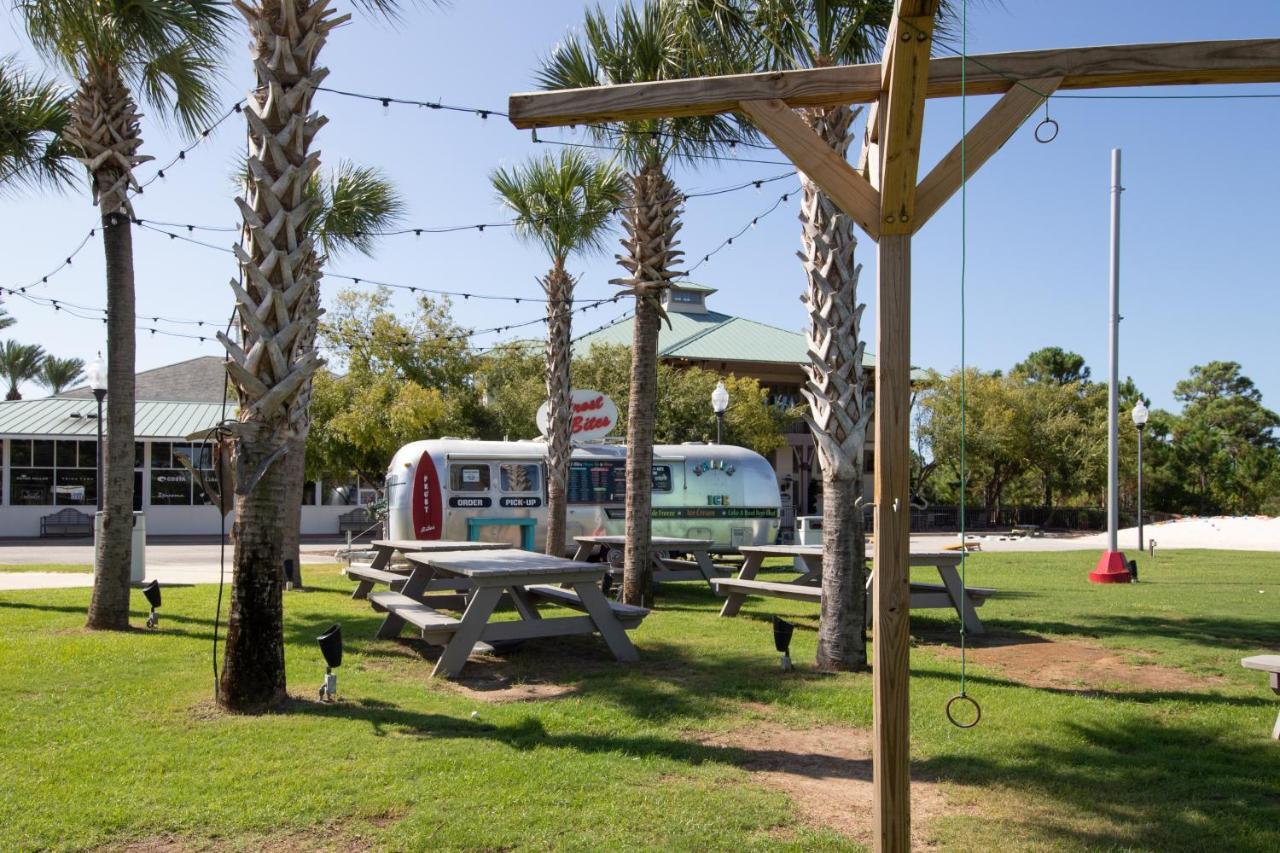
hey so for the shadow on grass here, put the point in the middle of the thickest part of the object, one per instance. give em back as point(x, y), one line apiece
point(1139, 784)
point(1218, 631)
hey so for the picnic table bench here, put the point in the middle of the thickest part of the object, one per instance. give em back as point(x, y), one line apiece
point(807, 587)
point(379, 570)
point(665, 568)
point(1269, 664)
point(66, 522)
point(527, 579)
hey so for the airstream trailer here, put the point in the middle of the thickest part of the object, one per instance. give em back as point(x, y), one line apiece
point(496, 491)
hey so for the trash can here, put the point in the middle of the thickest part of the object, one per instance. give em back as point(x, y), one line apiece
point(138, 566)
point(808, 532)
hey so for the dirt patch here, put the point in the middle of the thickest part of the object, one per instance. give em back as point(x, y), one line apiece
point(294, 842)
point(826, 772)
point(1074, 665)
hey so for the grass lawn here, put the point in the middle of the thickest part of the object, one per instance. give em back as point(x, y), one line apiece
point(46, 567)
point(113, 738)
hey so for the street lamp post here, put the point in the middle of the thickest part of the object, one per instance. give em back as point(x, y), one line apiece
point(1140, 421)
point(96, 373)
point(719, 405)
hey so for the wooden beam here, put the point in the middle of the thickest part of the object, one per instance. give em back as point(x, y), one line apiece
point(904, 123)
point(983, 140)
point(815, 158)
point(891, 551)
point(1245, 61)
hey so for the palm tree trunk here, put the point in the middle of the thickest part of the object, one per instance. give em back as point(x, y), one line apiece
point(104, 127)
point(269, 366)
point(652, 221)
point(559, 288)
point(295, 460)
point(839, 406)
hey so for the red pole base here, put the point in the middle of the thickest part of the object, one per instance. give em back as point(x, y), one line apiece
point(1111, 568)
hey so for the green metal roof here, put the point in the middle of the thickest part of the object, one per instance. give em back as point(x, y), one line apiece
point(688, 285)
point(62, 416)
point(712, 336)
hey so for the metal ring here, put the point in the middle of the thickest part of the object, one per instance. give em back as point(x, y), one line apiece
point(951, 716)
point(1050, 133)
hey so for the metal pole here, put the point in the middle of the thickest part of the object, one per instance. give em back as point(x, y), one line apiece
point(1142, 542)
point(719, 427)
point(98, 485)
point(1113, 412)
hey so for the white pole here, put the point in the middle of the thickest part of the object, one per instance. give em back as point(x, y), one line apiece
point(1113, 402)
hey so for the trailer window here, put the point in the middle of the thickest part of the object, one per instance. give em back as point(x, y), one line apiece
point(471, 477)
point(520, 477)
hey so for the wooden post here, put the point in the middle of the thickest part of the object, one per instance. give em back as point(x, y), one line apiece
point(892, 599)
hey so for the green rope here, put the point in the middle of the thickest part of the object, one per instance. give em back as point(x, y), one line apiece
point(964, 182)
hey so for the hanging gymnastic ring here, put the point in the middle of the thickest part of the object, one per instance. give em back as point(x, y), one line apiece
point(951, 715)
point(1049, 133)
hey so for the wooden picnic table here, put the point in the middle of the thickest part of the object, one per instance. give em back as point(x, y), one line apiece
point(700, 568)
point(529, 579)
point(808, 587)
point(380, 571)
point(1269, 664)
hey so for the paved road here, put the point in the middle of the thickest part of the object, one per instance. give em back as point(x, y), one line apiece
point(169, 560)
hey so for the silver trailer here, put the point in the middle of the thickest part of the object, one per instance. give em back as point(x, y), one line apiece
point(496, 491)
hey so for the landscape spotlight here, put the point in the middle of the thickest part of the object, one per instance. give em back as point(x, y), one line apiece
point(782, 631)
point(331, 647)
point(152, 593)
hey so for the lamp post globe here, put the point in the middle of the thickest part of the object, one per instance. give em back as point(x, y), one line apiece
point(719, 405)
point(1140, 415)
point(96, 375)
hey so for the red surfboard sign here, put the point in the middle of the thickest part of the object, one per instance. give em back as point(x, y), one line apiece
point(427, 511)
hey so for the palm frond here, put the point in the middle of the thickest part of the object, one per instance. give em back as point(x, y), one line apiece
point(562, 201)
point(355, 203)
point(57, 373)
point(168, 50)
point(34, 112)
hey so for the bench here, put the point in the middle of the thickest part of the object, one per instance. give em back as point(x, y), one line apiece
point(358, 521)
point(66, 522)
point(773, 589)
point(1268, 664)
point(436, 627)
point(368, 576)
point(628, 614)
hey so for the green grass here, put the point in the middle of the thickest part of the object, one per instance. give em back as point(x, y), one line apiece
point(46, 567)
point(111, 738)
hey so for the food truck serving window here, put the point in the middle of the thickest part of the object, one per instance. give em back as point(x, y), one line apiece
point(520, 477)
point(469, 477)
point(605, 481)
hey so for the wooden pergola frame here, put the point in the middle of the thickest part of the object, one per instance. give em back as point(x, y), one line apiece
point(884, 196)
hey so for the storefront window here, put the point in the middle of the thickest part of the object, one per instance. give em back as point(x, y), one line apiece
point(171, 482)
point(309, 494)
point(53, 473)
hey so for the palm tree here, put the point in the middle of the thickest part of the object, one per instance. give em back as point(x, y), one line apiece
point(274, 359)
point(19, 363)
point(353, 204)
point(33, 114)
point(660, 40)
point(563, 203)
point(795, 34)
point(167, 52)
point(57, 373)
point(5, 320)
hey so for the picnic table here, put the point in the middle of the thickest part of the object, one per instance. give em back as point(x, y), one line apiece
point(379, 569)
point(700, 568)
point(528, 579)
point(1269, 664)
point(808, 587)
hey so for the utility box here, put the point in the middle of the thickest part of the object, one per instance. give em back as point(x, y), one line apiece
point(138, 567)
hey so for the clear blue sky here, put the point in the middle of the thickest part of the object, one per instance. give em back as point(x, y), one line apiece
point(1201, 224)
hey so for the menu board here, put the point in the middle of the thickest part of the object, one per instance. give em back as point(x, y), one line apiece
point(605, 482)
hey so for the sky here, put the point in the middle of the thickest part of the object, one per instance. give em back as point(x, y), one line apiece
point(1200, 256)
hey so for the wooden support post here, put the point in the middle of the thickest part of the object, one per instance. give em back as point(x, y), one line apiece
point(891, 550)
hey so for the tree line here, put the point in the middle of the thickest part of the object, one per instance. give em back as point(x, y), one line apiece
point(1037, 435)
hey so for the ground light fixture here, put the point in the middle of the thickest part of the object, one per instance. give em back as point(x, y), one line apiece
point(152, 593)
point(331, 647)
point(782, 631)
point(720, 405)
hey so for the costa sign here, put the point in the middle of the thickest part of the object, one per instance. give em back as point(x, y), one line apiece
point(594, 415)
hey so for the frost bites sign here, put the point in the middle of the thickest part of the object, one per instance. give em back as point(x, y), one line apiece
point(594, 416)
